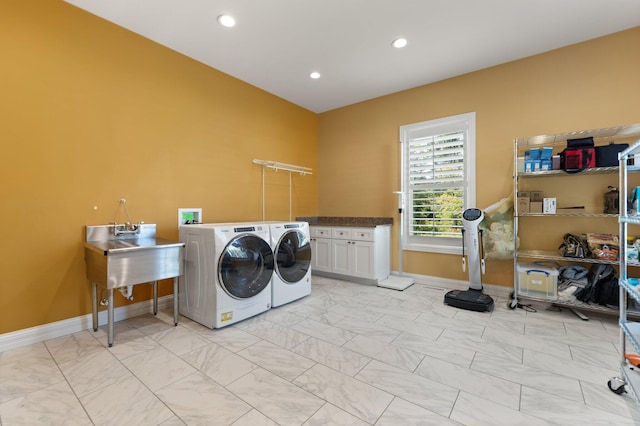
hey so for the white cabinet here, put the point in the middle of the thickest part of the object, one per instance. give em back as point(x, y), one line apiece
point(340, 261)
point(321, 249)
point(361, 254)
point(362, 257)
point(355, 258)
point(353, 252)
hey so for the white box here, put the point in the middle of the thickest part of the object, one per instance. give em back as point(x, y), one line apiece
point(549, 205)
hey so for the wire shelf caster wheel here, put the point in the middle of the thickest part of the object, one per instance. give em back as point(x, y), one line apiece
point(616, 385)
point(512, 303)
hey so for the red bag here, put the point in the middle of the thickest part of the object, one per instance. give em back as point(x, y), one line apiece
point(574, 160)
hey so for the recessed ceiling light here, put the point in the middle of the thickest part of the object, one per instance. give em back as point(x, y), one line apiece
point(314, 75)
point(226, 20)
point(399, 42)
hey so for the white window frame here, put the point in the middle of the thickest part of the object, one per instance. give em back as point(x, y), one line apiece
point(463, 122)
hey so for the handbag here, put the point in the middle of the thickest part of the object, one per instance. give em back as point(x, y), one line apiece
point(597, 273)
point(607, 155)
point(580, 142)
point(574, 160)
point(574, 246)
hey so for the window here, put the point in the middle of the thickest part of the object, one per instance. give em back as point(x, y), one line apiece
point(438, 182)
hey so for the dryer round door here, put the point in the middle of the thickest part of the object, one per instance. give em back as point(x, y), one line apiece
point(246, 266)
point(293, 256)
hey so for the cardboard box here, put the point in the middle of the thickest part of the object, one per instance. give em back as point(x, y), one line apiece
point(535, 207)
point(536, 196)
point(523, 204)
point(524, 194)
point(549, 205)
point(537, 280)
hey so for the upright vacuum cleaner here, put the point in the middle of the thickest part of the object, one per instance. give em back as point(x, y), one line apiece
point(472, 299)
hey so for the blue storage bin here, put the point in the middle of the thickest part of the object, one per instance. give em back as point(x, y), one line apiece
point(534, 154)
point(546, 153)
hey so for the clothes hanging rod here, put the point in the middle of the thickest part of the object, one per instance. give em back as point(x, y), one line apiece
point(283, 166)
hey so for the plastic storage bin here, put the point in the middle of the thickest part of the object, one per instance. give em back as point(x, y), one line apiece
point(538, 280)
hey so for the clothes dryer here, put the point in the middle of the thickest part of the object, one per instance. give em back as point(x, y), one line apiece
point(228, 272)
point(292, 250)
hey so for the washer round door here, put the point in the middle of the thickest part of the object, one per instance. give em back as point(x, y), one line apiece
point(293, 256)
point(246, 266)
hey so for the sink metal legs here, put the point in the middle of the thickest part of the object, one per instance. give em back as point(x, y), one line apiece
point(110, 318)
point(94, 304)
point(175, 301)
point(110, 315)
point(155, 297)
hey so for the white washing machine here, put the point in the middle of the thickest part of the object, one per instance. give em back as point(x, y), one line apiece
point(292, 250)
point(228, 272)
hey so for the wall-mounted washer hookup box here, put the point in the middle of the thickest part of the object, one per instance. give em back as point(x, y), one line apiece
point(189, 216)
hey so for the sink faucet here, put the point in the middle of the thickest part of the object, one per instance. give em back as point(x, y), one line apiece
point(127, 228)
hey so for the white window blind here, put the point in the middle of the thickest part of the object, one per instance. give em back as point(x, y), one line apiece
point(437, 166)
point(436, 181)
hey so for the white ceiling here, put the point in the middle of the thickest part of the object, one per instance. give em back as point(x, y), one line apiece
point(277, 43)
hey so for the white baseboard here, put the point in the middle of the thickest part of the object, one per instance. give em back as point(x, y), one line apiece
point(40, 333)
point(447, 283)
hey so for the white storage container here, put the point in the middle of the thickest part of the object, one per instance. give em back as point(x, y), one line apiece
point(537, 280)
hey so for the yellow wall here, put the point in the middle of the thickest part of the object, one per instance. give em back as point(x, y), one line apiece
point(589, 85)
point(91, 113)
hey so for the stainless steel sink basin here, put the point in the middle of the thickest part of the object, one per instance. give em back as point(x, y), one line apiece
point(116, 260)
point(118, 263)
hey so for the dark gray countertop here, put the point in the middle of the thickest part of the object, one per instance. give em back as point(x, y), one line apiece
point(365, 222)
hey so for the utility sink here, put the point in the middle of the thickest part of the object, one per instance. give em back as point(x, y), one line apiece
point(122, 256)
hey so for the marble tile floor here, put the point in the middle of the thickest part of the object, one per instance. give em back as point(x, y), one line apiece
point(348, 354)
